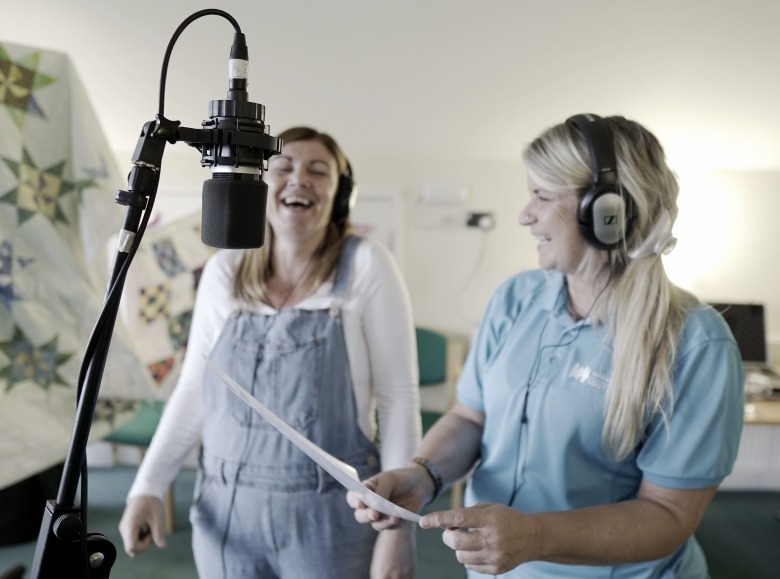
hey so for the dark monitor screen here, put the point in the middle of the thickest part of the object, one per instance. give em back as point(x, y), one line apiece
point(747, 324)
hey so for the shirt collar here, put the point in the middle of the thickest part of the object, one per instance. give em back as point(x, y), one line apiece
point(553, 296)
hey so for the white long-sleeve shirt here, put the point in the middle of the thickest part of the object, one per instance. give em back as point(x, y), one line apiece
point(379, 335)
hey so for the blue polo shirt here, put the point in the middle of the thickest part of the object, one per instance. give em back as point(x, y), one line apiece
point(540, 378)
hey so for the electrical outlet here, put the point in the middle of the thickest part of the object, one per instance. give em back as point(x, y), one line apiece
point(484, 220)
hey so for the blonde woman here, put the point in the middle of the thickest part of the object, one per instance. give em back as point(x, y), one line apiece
point(601, 405)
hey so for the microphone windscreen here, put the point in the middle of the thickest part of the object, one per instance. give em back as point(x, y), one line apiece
point(233, 213)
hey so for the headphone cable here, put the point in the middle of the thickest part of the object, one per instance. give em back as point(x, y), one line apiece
point(535, 367)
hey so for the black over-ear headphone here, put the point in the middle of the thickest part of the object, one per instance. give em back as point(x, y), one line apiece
point(606, 213)
point(346, 193)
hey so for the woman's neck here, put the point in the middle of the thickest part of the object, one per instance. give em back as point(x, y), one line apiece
point(291, 257)
point(286, 288)
point(581, 295)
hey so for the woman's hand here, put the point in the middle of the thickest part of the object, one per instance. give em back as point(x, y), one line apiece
point(493, 539)
point(488, 538)
point(142, 524)
point(410, 487)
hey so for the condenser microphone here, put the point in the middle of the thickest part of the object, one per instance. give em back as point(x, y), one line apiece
point(234, 199)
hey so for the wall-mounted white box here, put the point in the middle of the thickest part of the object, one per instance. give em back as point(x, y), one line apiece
point(445, 193)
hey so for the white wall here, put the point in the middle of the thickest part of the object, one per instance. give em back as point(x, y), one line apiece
point(729, 250)
point(451, 270)
point(448, 91)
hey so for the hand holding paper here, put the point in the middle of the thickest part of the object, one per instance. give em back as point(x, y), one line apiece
point(341, 471)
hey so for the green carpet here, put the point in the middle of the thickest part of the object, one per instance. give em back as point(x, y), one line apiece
point(108, 488)
point(739, 534)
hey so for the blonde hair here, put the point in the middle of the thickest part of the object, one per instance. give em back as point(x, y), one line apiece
point(255, 267)
point(640, 307)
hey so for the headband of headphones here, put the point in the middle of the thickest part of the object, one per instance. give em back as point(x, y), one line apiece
point(601, 150)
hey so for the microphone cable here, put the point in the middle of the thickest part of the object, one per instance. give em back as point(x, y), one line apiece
point(468, 281)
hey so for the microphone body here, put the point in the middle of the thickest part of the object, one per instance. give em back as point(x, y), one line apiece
point(234, 142)
point(233, 212)
point(234, 199)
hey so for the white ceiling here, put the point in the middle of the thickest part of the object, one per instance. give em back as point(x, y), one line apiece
point(445, 79)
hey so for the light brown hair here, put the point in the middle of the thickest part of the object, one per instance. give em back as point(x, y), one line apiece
point(256, 268)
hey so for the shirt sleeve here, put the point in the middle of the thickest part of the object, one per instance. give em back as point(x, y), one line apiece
point(497, 318)
point(181, 424)
point(469, 388)
point(698, 447)
point(388, 331)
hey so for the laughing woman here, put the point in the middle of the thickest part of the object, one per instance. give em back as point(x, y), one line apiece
point(317, 324)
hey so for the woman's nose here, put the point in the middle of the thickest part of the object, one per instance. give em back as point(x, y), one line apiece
point(299, 177)
point(525, 218)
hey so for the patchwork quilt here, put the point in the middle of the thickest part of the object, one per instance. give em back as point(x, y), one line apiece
point(58, 180)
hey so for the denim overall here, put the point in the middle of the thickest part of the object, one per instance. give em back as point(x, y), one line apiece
point(262, 508)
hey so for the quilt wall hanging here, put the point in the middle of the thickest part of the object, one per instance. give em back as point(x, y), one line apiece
point(58, 180)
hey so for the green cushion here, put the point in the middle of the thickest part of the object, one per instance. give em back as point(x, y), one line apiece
point(139, 431)
point(428, 419)
point(431, 356)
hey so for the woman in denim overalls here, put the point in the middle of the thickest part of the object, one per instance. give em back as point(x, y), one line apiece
point(263, 507)
point(298, 327)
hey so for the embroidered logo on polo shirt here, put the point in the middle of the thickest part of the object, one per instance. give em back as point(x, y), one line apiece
point(587, 375)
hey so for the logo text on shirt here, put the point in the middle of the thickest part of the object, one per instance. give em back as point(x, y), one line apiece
point(587, 375)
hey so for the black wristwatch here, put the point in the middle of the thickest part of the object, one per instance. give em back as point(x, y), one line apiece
point(433, 471)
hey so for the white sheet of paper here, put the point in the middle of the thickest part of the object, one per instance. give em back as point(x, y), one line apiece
point(341, 471)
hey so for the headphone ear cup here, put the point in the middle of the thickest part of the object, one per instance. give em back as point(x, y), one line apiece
point(344, 199)
point(604, 219)
point(606, 211)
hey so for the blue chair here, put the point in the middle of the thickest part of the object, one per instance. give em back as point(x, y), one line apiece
point(432, 363)
point(138, 432)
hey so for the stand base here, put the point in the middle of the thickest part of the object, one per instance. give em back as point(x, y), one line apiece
point(59, 550)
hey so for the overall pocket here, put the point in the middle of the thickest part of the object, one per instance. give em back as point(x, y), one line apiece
point(287, 379)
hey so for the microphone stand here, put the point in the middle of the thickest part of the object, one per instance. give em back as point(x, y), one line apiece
point(234, 137)
point(63, 550)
